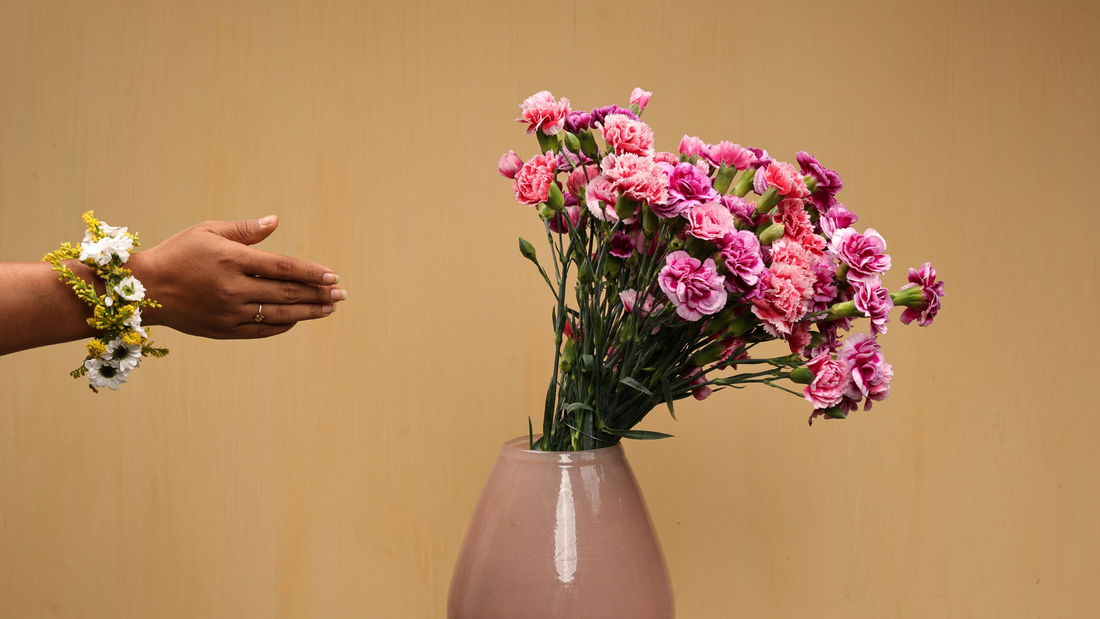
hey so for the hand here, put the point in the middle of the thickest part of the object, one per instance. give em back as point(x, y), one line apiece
point(211, 283)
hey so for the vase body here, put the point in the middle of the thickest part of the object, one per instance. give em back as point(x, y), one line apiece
point(560, 534)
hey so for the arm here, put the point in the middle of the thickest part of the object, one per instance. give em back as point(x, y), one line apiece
point(208, 279)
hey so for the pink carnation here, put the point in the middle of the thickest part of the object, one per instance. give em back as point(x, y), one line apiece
point(874, 301)
point(541, 112)
point(509, 164)
point(640, 98)
point(691, 146)
point(687, 187)
point(925, 278)
point(557, 222)
point(863, 253)
point(532, 183)
point(626, 135)
point(695, 289)
point(868, 368)
point(637, 178)
point(799, 338)
point(729, 154)
point(787, 289)
point(698, 378)
point(710, 221)
point(796, 223)
point(630, 299)
point(729, 347)
point(579, 178)
point(831, 381)
point(786, 180)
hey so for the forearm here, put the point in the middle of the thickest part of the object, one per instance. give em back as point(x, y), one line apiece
point(37, 309)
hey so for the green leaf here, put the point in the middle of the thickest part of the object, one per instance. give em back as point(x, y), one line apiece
point(667, 391)
point(569, 408)
point(630, 382)
point(530, 433)
point(638, 435)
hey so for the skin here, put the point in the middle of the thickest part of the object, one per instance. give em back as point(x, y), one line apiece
point(207, 277)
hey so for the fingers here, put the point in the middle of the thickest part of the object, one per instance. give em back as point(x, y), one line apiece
point(286, 268)
point(263, 290)
point(277, 314)
point(247, 232)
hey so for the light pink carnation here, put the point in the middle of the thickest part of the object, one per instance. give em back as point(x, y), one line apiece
point(695, 289)
point(640, 98)
point(532, 183)
point(786, 179)
point(863, 253)
point(831, 381)
point(710, 221)
point(638, 178)
point(599, 189)
point(541, 112)
point(691, 146)
point(666, 157)
point(626, 135)
point(509, 164)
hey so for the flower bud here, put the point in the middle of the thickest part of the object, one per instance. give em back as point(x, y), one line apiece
point(554, 198)
point(772, 234)
point(802, 376)
point(588, 144)
point(765, 203)
point(572, 142)
point(742, 325)
point(625, 207)
point(509, 164)
point(547, 143)
point(527, 250)
point(724, 178)
point(649, 221)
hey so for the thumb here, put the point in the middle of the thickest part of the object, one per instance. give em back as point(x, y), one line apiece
point(247, 232)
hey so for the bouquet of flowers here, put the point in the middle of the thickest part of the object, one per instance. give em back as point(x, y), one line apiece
point(676, 274)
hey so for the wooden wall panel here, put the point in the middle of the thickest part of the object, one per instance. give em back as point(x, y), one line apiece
point(330, 472)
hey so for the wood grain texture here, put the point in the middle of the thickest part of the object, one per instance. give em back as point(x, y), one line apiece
point(331, 472)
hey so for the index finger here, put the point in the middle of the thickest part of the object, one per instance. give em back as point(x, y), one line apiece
point(286, 268)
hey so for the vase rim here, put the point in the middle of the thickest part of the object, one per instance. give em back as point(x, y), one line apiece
point(516, 449)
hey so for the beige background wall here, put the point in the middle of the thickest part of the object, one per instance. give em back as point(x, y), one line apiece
point(331, 472)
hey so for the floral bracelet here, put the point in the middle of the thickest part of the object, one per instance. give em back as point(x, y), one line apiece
point(119, 349)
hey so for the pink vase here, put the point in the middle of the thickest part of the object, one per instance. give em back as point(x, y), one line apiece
point(560, 534)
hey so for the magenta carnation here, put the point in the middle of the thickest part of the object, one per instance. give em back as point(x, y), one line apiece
point(637, 178)
point(598, 114)
point(874, 301)
point(688, 187)
point(541, 112)
point(743, 210)
point(925, 278)
point(831, 381)
point(621, 245)
point(868, 368)
point(837, 218)
point(695, 289)
point(740, 255)
point(626, 135)
point(532, 183)
point(828, 182)
point(578, 121)
point(863, 253)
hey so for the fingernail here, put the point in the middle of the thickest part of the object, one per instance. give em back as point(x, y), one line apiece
point(330, 278)
point(267, 221)
point(328, 309)
point(339, 295)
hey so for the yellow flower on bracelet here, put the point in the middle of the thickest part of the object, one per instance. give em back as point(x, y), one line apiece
point(119, 349)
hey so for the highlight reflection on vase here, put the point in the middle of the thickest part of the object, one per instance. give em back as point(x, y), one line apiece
point(560, 534)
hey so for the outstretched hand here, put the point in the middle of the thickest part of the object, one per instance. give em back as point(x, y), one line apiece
point(212, 284)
